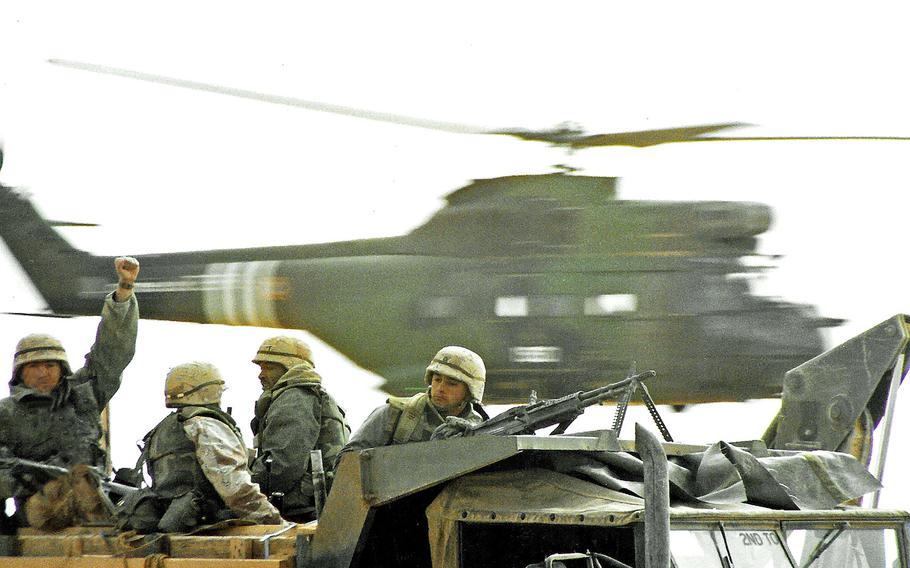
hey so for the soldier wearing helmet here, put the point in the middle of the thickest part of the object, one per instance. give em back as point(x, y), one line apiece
point(293, 416)
point(455, 379)
point(53, 414)
point(197, 462)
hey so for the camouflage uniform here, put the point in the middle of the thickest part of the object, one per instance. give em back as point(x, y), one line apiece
point(294, 416)
point(197, 461)
point(385, 427)
point(403, 420)
point(63, 427)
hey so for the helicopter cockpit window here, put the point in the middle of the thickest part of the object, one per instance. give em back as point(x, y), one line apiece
point(610, 304)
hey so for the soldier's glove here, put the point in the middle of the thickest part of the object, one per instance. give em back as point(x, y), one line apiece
point(453, 427)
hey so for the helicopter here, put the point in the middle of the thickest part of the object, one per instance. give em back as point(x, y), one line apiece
point(554, 281)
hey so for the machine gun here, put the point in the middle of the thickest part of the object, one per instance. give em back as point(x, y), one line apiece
point(528, 418)
point(53, 471)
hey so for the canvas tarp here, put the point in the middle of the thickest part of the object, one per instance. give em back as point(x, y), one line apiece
point(605, 488)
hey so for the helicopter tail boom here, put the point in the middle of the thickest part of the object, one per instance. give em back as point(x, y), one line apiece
point(53, 265)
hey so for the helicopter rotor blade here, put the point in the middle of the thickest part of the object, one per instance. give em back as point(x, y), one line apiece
point(796, 138)
point(568, 136)
point(576, 138)
point(563, 135)
point(275, 99)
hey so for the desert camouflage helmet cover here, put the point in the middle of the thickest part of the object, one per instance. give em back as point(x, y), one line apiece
point(39, 347)
point(460, 364)
point(194, 383)
point(284, 350)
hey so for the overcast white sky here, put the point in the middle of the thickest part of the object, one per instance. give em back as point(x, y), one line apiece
point(165, 169)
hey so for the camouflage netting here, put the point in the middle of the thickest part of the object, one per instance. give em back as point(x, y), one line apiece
point(606, 488)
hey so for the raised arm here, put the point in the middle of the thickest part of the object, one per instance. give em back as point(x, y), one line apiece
point(115, 340)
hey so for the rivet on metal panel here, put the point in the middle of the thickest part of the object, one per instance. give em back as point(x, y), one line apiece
point(839, 409)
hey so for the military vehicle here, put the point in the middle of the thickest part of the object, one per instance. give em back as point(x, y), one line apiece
point(554, 281)
point(549, 278)
point(589, 498)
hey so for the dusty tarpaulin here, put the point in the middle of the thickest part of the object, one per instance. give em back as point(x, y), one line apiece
point(726, 474)
point(606, 488)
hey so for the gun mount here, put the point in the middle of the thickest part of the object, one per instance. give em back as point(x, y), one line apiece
point(529, 500)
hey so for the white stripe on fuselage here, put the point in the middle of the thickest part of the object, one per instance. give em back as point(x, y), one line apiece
point(241, 293)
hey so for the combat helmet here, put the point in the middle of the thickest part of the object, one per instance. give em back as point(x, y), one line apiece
point(39, 347)
point(460, 364)
point(194, 383)
point(284, 350)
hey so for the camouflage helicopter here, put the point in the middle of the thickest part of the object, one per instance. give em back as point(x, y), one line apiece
point(551, 278)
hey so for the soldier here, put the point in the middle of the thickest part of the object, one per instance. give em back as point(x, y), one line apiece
point(52, 414)
point(197, 461)
point(455, 379)
point(293, 416)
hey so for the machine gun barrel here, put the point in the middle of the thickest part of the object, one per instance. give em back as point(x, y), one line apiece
point(562, 411)
point(57, 471)
point(609, 391)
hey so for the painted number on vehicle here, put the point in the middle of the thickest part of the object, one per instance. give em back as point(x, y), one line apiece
point(759, 538)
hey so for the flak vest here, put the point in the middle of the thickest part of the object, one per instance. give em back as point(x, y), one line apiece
point(333, 428)
point(171, 455)
point(410, 414)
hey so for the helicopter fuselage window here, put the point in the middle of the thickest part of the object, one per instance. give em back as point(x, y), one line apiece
point(610, 304)
point(564, 305)
point(511, 306)
point(551, 305)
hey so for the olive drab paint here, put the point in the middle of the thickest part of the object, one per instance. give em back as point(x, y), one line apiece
point(552, 279)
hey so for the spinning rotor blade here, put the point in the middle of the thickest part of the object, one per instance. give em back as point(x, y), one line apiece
point(568, 136)
point(576, 138)
point(763, 138)
point(275, 99)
